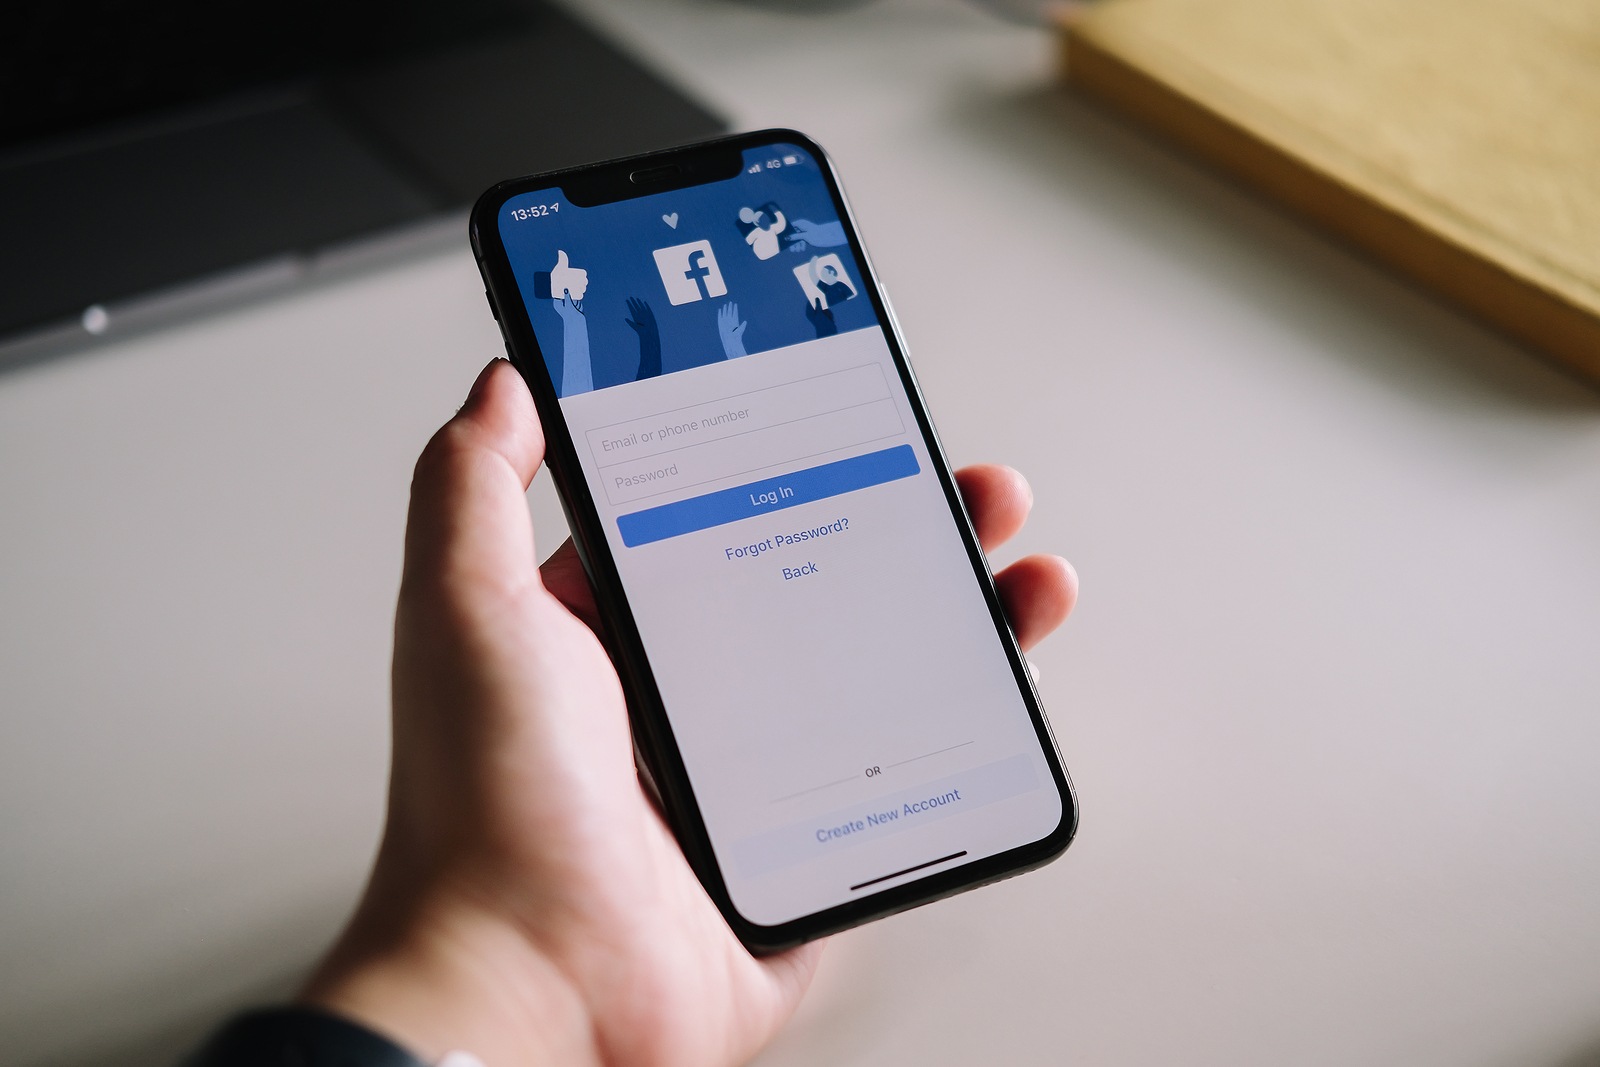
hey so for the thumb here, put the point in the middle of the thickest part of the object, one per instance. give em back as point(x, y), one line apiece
point(561, 258)
point(469, 532)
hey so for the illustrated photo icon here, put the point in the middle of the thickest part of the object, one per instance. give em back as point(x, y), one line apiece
point(825, 282)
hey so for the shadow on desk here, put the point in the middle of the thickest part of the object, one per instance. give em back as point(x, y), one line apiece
point(1385, 327)
point(1587, 1056)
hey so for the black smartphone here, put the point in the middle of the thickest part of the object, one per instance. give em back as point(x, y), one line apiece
point(823, 687)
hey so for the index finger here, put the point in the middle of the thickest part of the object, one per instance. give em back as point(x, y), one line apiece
point(998, 498)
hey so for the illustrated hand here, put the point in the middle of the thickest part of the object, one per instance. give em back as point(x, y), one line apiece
point(527, 903)
point(821, 319)
point(641, 319)
point(731, 330)
point(570, 311)
point(803, 232)
point(643, 322)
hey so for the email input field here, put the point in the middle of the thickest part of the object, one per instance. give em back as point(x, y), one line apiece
point(742, 434)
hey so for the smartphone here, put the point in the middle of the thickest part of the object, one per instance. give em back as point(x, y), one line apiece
point(823, 687)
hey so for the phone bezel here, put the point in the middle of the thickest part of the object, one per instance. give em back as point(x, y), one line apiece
point(695, 164)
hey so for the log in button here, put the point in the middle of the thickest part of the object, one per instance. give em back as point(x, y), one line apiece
point(770, 494)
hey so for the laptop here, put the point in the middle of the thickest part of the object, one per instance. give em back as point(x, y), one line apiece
point(157, 158)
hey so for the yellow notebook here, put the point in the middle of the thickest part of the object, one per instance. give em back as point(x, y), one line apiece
point(1456, 140)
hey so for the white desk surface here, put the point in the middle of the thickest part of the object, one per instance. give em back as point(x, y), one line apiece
point(1332, 695)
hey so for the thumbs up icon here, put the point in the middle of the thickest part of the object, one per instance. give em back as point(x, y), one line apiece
point(562, 280)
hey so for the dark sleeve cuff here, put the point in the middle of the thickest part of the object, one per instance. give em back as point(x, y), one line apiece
point(298, 1037)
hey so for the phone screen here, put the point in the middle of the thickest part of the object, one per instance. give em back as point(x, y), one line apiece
point(844, 704)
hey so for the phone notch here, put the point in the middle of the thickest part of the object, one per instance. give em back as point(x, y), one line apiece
point(626, 179)
point(653, 175)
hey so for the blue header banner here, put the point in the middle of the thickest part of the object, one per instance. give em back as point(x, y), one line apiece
point(675, 280)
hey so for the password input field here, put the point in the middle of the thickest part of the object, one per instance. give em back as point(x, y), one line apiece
point(743, 434)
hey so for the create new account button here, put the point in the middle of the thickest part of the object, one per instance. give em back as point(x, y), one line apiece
point(890, 813)
point(769, 494)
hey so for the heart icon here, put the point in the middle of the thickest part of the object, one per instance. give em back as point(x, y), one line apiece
point(671, 220)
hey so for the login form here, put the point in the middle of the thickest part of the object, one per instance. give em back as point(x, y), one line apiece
point(844, 707)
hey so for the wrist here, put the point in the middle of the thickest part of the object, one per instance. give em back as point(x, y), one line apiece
point(453, 977)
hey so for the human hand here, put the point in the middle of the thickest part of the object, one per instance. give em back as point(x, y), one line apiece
point(821, 318)
point(731, 330)
point(527, 903)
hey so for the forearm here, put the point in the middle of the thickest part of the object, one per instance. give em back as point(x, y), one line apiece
point(576, 373)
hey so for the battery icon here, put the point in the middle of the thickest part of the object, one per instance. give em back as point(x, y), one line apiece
point(790, 161)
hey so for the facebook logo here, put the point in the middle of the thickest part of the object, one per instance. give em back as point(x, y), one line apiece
point(690, 272)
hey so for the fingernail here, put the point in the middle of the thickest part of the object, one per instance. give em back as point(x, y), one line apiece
point(1026, 485)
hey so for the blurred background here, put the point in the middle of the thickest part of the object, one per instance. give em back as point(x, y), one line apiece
point(1331, 696)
